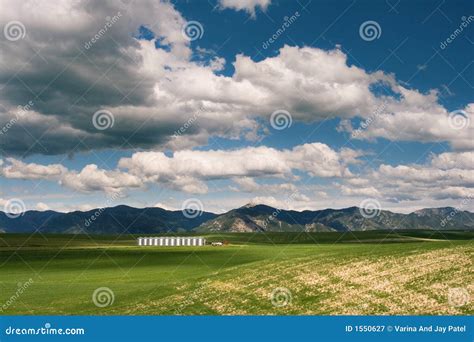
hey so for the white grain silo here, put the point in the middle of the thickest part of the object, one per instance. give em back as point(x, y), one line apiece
point(170, 241)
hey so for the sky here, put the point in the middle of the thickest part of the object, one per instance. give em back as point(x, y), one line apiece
point(301, 105)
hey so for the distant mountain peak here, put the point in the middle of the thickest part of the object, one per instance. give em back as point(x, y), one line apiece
point(252, 217)
point(434, 211)
point(249, 205)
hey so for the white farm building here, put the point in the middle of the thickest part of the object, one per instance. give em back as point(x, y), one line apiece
point(172, 241)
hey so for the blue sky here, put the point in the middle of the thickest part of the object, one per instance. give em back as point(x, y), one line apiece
point(409, 88)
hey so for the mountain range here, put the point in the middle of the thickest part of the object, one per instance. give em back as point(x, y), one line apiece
point(250, 218)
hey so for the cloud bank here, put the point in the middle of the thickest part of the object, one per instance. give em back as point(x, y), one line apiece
point(153, 87)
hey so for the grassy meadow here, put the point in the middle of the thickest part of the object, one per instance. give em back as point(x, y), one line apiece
point(409, 272)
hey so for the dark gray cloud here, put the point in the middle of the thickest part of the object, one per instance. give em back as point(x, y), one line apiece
point(77, 58)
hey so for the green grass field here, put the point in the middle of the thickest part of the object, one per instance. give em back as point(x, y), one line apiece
point(280, 273)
